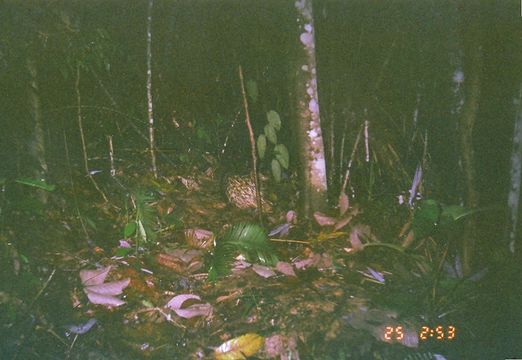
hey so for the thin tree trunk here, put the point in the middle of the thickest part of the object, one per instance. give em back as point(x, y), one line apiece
point(82, 134)
point(150, 113)
point(37, 143)
point(306, 116)
point(466, 127)
point(516, 174)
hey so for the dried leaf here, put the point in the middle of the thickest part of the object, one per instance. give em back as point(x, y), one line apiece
point(281, 230)
point(301, 264)
point(82, 328)
point(190, 183)
point(355, 240)
point(189, 311)
point(94, 277)
point(124, 244)
point(323, 220)
point(374, 274)
point(111, 288)
point(177, 301)
point(274, 346)
point(263, 271)
point(106, 300)
point(342, 222)
point(101, 293)
point(291, 217)
point(199, 238)
point(194, 310)
point(239, 348)
point(171, 262)
point(285, 268)
point(361, 232)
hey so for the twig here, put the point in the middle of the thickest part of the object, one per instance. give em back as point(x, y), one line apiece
point(75, 197)
point(82, 136)
point(347, 175)
point(252, 146)
point(111, 156)
point(290, 241)
point(43, 288)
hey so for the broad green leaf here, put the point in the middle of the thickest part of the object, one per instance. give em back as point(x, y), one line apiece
point(252, 90)
point(276, 170)
point(120, 252)
point(274, 119)
point(145, 216)
point(426, 218)
point(261, 145)
point(281, 154)
point(130, 229)
point(455, 212)
point(41, 184)
point(142, 233)
point(239, 348)
point(271, 133)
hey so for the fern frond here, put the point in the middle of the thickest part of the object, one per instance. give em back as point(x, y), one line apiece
point(251, 240)
point(248, 239)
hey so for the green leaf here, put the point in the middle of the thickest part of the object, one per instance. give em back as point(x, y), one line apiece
point(145, 216)
point(271, 133)
point(203, 135)
point(274, 119)
point(120, 252)
point(455, 212)
point(90, 222)
point(281, 154)
point(41, 184)
point(24, 258)
point(426, 218)
point(252, 90)
point(261, 145)
point(249, 239)
point(276, 170)
point(130, 229)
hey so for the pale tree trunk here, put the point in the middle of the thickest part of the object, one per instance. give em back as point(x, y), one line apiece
point(516, 171)
point(37, 142)
point(150, 112)
point(306, 113)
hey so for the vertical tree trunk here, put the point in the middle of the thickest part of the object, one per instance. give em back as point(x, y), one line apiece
point(37, 142)
point(150, 112)
point(306, 113)
point(466, 126)
point(516, 174)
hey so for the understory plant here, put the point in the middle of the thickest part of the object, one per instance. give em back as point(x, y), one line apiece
point(250, 240)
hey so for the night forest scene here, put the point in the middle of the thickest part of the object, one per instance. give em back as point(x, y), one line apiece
point(260, 179)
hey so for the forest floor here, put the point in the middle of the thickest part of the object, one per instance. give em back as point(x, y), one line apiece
point(130, 280)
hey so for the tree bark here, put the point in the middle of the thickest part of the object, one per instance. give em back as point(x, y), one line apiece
point(37, 142)
point(466, 127)
point(306, 113)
